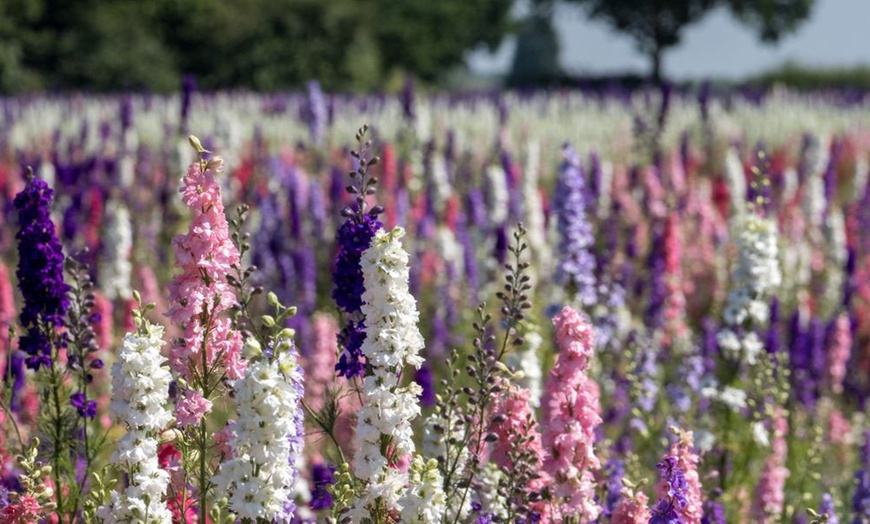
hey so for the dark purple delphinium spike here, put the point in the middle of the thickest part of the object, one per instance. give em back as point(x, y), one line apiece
point(188, 86)
point(830, 177)
point(657, 287)
point(126, 113)
point(576, 266)
point(501, 244)
point(86, 408)
point(425, 379)
point(40, 273)
point(594, 179)
point(408, 98)
point(322, 476)
point(849, 284)
point(771, 340)
point(351, 338)
point(353, 238)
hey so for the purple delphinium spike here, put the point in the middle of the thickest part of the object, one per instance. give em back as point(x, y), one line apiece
point(425, 379)
point(315, 112)
point(826, 507)
point(40, 273)
point(322, 477)
point(665, 511)
point(576, 266)
point(615, 469)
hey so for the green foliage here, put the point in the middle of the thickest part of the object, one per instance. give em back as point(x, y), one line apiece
point(258, 44)
point(656, 25)
point(797, 76)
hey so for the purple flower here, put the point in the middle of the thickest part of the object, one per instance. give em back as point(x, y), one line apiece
point(353, 238)
point(424, 378)
point(40, 272)
point(576, 266)
point(351, 338)
point(86, 408)
point(322, 476)
point(826, 507)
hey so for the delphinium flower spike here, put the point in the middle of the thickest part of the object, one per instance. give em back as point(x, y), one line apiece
point(353, 237)
point(140, 385)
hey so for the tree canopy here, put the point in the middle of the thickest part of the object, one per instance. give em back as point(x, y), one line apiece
point(656, 25)
point(105, 45)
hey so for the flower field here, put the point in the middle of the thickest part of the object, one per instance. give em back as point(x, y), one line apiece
point(545, 307)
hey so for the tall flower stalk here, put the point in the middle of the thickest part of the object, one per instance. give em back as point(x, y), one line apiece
point(201, 296)
point(260, 476)
point(140, 385)
point(384, 436)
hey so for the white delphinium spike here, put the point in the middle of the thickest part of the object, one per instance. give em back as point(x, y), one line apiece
point(424, 502)
point(115, 265)
point(260, 478)
point(140, 393)
point(383, 434)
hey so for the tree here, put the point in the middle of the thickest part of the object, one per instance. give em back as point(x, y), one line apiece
point(656, 25)
point(536, 60)
point(106, 45)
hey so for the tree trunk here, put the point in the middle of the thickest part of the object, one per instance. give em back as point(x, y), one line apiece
point(656, 59)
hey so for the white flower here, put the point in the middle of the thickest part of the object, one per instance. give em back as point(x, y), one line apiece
point(424, 501)
point(752, 347)
point(729, 343)
point(392, 342)
point(267, 438)
point(117, 244)
point(760, 434)
point(733, 397)
point(140, 393)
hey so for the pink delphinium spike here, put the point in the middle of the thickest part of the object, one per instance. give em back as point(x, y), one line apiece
point(103, 327)
point(200, 294)
point(687, 460)
point(770, 491)
point(572, 413)
point(7, 312)
point(320, 376)
point(512, 405)
point(839, 352)
point(633, 508)
point(675, 301)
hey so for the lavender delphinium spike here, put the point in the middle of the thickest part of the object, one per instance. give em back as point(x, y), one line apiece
point(576, 266)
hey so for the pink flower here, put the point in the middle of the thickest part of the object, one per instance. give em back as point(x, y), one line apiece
point(839, 427)
point(632, 509)
point(687, 460)
point(200, 293)
point(222, 440)
point(770, 491)
point(839, 352)
point(675, 301)
point(320, 365)
point(25, 511)
point(572, 413)
point(512, 405)
point(191, 408)
point(7, 312)
point(103, 328)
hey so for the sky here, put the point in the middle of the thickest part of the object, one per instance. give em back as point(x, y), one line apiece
point(837, 34)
